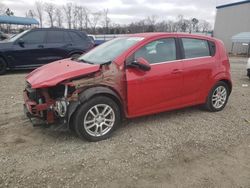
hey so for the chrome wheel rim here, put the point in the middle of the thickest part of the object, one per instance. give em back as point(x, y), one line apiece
point(99, 120)
point(219, 97)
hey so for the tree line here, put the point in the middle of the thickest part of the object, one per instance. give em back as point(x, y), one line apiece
point(75, 16)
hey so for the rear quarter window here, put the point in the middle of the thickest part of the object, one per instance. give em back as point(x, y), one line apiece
point(75, 37)
point(212, 47)
point(195, 48)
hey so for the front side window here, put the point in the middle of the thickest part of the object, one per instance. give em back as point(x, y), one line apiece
point(34, 37)
point(158, 51)
point(55, 37)
point(195, 48)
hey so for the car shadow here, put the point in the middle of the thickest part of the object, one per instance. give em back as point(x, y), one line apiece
point(55, 132)
point(15, 72)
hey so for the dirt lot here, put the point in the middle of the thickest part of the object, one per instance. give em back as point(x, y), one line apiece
point(184, 148)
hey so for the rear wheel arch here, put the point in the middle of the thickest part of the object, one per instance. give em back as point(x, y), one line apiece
point(208, 105)
point(75, 53)
point(229, 84)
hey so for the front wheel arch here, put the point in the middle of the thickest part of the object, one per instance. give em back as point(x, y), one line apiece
point(4, 65)
point(93, 103)
point(91, 93)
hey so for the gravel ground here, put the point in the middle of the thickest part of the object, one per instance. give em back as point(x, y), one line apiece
point(183, 148)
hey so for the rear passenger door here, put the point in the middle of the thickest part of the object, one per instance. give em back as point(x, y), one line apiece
point(56, 46)
point(197, 66)
point(80, 42)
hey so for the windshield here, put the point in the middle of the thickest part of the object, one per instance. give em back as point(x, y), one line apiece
point(108, 51)
point(15, 37)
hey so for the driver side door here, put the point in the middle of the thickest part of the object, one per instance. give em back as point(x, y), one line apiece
point(28, 53)
point(158, 89)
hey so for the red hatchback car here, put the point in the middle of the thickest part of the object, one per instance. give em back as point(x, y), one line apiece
point(127, 77)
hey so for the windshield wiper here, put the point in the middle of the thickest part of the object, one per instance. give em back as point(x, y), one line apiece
point(107, 62)
point(84, 61)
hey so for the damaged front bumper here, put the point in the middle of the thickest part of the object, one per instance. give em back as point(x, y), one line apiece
point(38, 109)
point(38, 103)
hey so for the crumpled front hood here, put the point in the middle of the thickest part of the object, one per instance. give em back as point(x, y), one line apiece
point(58, 71)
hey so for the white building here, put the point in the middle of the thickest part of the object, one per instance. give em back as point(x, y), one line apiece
point(232, 19)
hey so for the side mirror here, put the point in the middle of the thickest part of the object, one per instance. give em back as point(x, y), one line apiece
point(21, 42)
point(140, 63)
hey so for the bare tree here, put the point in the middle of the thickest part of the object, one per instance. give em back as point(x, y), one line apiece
point(2, 8)
point(75, 16)
point(9, 12)
point(50, 9)
point(86, 17)
point(204, 26)
point(106, 20)
point(39, 11)
point(30, 14)
point(162, 26)
point(93, 20)
point(80, 16)
point(195, 21)
point(59, 17)
point(68, 13)
point(151, 21)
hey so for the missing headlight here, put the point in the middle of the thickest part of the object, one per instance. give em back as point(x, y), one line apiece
point(61, 107)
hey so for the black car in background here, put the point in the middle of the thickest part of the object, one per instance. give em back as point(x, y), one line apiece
point(36, 47)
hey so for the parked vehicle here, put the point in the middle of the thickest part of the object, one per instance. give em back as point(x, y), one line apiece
point(248, 68)
point(36, 47)
point(127, 77)
point(3, 36)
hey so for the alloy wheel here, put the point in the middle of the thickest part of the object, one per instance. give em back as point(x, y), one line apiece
point(99, 120)
point(219, 97)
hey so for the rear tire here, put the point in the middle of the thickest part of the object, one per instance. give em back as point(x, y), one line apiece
point(97, 118)
point(75, 56)
point(218, 97)
point(3, 66)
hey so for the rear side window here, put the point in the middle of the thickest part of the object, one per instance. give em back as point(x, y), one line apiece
point(67, 37)
point(75, 37)
point(55, 37)
point(34, 37)
point(195, 48)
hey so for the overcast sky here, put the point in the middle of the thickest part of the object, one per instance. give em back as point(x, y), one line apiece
point(126, 11)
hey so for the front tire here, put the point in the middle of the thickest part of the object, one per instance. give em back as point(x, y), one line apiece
point(3, 66)
point(218, 97)
point(97, 118)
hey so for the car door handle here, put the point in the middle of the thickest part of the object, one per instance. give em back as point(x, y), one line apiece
point(176, 71)
point(40, 46)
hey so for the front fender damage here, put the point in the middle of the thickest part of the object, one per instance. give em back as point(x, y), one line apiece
point(109, 81)
point(62, 101)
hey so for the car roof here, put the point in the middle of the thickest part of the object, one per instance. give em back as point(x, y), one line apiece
point(165, 34)
point(56, 29)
